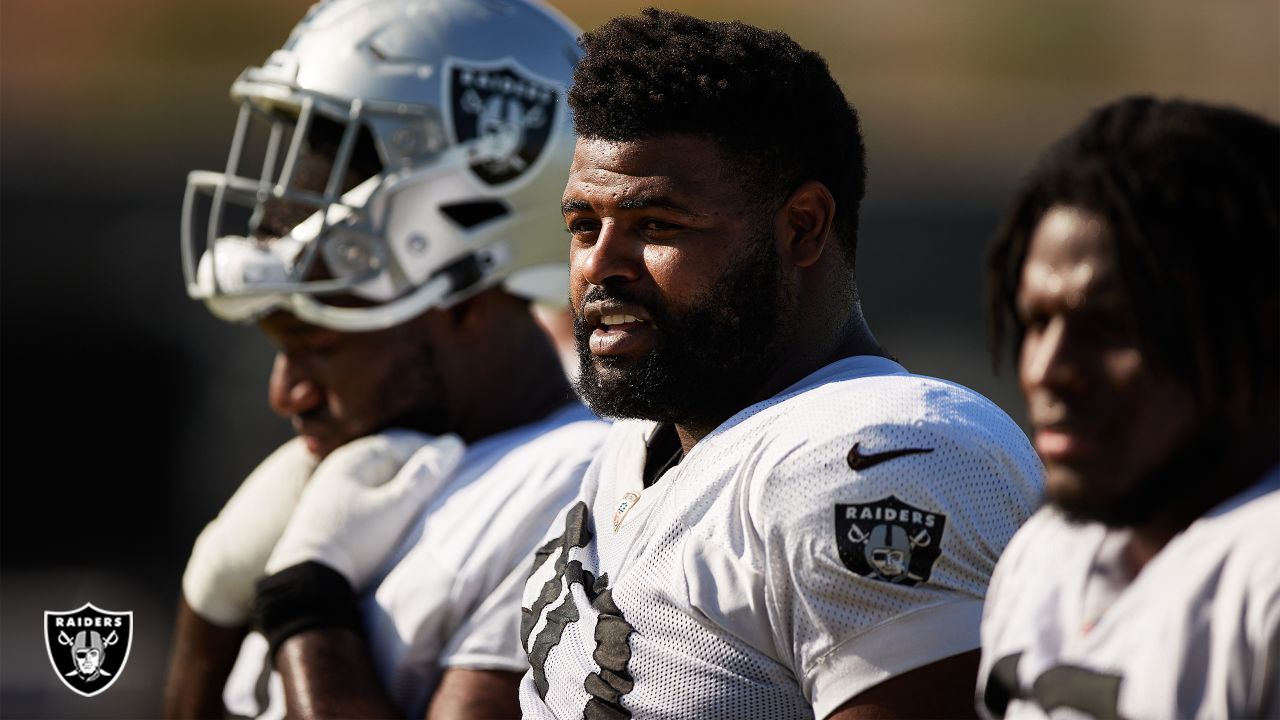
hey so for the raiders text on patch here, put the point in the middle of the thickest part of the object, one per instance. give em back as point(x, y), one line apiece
point(889, 540)
point(88, 661)
point(861, 461)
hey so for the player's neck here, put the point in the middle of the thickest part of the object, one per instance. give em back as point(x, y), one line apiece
point(1144, 544)
point(853, 338)
point(521, 388)
point(1249, 459)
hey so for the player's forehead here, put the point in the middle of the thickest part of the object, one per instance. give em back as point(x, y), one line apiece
point(1071, 256)
point(287, 332)
point(685, 170)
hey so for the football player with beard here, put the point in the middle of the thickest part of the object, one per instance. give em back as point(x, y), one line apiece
point(1137, 269)
point(789, 523)
point(394, 229)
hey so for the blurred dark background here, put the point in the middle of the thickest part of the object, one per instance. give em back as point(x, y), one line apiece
point(129, 414)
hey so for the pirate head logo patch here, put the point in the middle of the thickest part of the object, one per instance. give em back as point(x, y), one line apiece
point(88, 647)
point(502, 114)
point(889, 540)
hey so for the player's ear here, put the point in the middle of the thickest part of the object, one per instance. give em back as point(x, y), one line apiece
point(803, 224)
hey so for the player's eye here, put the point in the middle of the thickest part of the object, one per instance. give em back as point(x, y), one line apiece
point(655, 225)
point(583, 226)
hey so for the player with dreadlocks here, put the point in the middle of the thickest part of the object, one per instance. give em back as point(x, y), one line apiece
point(1138, 265)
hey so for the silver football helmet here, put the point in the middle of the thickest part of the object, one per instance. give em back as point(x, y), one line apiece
point(463, 102)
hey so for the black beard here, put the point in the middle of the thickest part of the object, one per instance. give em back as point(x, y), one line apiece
point(1184, 486)
point(708, 360)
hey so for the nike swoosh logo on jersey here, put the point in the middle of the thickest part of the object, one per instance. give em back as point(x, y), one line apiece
point(861, 461)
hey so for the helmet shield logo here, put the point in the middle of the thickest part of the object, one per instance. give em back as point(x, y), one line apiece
point(889, 540)
point(88, 647)
point(502, 114)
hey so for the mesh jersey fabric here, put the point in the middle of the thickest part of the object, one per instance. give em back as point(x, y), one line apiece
point(449, 595)
point(758, 577)
point(1195, 635)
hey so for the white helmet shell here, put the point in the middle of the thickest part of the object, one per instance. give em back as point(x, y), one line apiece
point(464, 101)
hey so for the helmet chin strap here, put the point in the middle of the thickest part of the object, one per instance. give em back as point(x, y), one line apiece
point(373, 317)
point(447, 286)
point(252, 307)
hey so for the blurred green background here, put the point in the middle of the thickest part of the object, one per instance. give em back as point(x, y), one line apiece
point(129, 414)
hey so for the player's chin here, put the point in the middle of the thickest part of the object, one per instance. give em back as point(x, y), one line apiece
point(1076, 490)
point(319, 445)
point(612, 371)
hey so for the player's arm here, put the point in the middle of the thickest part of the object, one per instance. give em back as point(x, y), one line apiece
point(328, 673)
point(476, 695)
point(199, 664)
point(943, 689)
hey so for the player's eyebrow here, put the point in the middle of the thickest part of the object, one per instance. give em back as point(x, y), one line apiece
point(569, 206)
point(642, 202)
point(638, 202)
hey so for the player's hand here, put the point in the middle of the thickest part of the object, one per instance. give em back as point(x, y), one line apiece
point(361, 500)
point(231, 552)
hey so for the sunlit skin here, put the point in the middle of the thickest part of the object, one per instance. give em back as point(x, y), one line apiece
point(1103, 414)
point(661, 218)
point(654, 215)
point(335, 387)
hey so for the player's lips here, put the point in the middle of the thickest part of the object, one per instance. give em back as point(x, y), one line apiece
point(1061, 442)
point(1059, 435)
point(317, 441)
point(617, 328)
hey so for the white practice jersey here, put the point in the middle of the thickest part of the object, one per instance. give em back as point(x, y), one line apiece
point(451, 594)
point(814, 545)
point(1195, 635)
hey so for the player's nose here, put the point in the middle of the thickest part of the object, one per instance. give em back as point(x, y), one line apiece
point(613, 256)
point(292, 391)
point(1049, 360)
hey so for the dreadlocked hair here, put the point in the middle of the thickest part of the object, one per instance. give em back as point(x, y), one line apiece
point(778, 117)
point(1189, 193)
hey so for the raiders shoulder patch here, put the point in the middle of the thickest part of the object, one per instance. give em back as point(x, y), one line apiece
point(503, 114)
point(889, 540)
